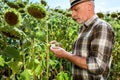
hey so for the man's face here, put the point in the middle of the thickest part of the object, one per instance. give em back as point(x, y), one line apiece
point(79, 12)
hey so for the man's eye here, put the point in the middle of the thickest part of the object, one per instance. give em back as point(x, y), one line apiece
point(75, 9)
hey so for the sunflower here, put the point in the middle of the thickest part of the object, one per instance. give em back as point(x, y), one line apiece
point(56, 10)
point(36, 10)
point(12, 17)
point(118, 17)
point(118, 13)
point(5, 1)
point(100, 14)
point(13, 33)
point(114, 15)
point(43, 2)
point(68, 14)
point(21, 5)
point(108, 14)
point(12, 5)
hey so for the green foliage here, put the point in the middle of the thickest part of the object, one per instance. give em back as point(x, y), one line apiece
point(11, 52)
point(24, 49)
point(1, 61)
point(14, 66)
point(63, 76)
point(26, 75)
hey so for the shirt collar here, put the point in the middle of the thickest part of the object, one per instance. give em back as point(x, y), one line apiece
point(90, 21)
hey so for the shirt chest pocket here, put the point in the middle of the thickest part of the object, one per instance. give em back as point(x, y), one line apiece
point(83, 46)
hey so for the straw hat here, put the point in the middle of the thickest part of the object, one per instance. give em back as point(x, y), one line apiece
point(74, 2)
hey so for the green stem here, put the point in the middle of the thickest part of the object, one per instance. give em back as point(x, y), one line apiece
point(32, 49)
point(61, 67)
point(47, 53)
point(23, 57)
point(24, 61)
point(33, 57)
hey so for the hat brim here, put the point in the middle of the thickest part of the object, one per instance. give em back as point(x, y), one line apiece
point(81, 1)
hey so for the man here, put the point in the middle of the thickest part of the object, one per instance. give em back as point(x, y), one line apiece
point(91, 55)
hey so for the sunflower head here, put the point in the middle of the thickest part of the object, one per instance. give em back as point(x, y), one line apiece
point(108, 14)
point(100, 14)
point(43, 2)
point(36, 10)
point(56, 10)
point(21, 5)
point(114, 15)
point(5, 1)
point(12, 5)
point(12, 17)
point(118, 13)
point(13, 33)
point(68, 15)
point(118, 17)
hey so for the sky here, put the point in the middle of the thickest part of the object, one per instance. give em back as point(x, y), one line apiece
point(100, 5)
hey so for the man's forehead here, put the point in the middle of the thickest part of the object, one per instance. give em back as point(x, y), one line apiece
point(75, 7)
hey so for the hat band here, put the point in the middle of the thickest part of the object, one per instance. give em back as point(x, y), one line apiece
point(77, 1)
point(74, 2)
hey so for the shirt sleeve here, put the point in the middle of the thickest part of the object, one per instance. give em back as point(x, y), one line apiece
point(100, 49)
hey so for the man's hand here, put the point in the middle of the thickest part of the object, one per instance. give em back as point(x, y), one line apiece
point(59, 52)
point(55, 43)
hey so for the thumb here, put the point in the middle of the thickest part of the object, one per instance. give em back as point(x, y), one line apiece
point(53, 47)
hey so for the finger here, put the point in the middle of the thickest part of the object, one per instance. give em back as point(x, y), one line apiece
point(54, 47)
point(53, 42)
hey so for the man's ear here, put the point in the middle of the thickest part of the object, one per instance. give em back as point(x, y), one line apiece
point(90, 6)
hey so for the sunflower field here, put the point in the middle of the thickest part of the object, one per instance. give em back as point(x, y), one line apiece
point(26, 29)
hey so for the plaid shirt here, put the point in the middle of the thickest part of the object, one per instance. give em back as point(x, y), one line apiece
point(95, 43)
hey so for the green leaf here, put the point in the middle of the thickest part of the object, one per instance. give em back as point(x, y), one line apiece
point(32, 64)
point(62, 76)
point(1, 61)
point(38, 70)
point(45, 78)
point(14, 66)
point(11, 52)
point(26, 75)
point(53, 63)
point(41, 35)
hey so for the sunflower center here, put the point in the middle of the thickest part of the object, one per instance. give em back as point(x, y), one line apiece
point(11, 18)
